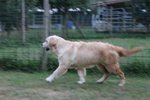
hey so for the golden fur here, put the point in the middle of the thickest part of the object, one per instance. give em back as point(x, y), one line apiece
point(80, 55)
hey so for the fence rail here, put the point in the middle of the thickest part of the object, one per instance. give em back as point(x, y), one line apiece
point(27, 59)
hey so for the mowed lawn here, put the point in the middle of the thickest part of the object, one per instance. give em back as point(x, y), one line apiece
point(32, 86)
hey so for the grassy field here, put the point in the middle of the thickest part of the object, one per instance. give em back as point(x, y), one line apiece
point(32, 86)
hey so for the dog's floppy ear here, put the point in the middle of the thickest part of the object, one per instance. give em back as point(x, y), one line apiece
point(53, 41)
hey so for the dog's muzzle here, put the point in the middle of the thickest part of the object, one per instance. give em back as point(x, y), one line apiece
point(45, 45)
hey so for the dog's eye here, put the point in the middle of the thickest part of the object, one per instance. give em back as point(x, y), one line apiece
point(52, 45)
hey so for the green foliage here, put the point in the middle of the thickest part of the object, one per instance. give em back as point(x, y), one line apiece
point(137, 67)
point(63, 6)
point(26, 65)
point(16, 56)
point(141, 11)
point(52, 63)
point(10, 13)
point(68, 3)
point(19, 65)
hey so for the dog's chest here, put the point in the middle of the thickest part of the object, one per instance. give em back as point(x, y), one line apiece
point(81, 58)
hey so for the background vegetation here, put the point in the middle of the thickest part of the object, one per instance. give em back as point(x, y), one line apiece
point(26, 57)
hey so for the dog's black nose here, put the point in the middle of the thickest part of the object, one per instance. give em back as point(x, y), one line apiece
point(47, 49)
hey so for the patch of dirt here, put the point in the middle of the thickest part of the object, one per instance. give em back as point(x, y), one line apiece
point(48, 93)
point(11, 93)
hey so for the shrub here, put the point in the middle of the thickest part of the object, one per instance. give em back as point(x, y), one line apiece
point(137, 67)
point(19, 65)
point(26, 65)
point(52, 63)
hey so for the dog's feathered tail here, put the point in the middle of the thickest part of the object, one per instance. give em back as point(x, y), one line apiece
point(123, 52)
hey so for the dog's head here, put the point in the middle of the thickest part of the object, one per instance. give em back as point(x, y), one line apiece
point(51, 42)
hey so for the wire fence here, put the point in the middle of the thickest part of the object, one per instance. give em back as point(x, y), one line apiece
point(29, 59)
point(104, 23)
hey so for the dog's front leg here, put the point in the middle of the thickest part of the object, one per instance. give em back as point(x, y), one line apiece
point(57, 73)
point(82, 74)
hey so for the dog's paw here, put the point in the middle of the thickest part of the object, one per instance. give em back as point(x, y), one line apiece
point(100, 81)
point(81, 82)
point(122, 83)
point(48, 80)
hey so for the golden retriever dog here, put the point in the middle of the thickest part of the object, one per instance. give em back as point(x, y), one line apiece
point(80, 55)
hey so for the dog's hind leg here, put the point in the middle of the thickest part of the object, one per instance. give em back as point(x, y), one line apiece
point(113, 66)
point(82, 74)
point(119, 72)
point(122, 77)
point(105, 75)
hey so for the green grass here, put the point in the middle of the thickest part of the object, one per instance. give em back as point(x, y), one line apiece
point(32, 86)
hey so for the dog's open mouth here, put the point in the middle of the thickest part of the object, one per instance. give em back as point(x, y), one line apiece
point(47, 49)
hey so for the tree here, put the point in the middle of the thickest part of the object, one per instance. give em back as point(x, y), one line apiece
point(141, 11)
point(64, 5)
point(10, 13)
point(46, 29)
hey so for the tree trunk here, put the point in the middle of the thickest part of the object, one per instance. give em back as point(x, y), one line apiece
point(148, 28)
point(44, 58)
point(77, 25)
point(23, 22)
point(8, 33)
point(65, 28)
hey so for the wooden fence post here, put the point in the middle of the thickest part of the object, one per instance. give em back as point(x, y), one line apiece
point(23, 21)
point(46, 30)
